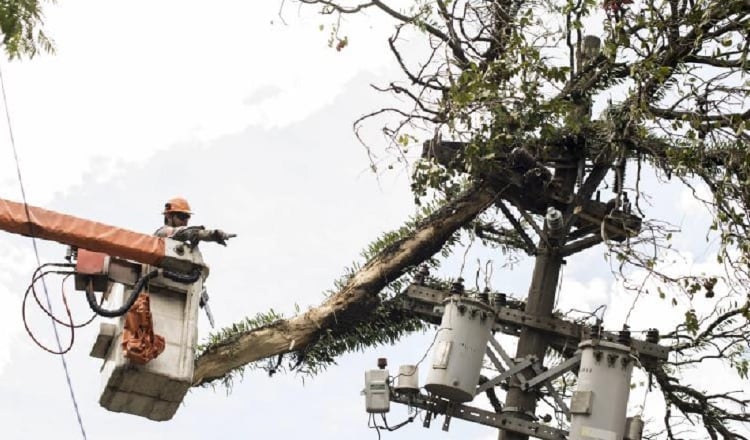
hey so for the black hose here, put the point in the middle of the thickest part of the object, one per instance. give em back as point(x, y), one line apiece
point(139, 285)
point(186, 278)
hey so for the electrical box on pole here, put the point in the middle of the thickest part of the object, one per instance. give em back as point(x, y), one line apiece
point(377, 391)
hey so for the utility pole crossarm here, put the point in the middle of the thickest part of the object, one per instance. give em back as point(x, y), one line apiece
point(426, 302)
point(618, 225)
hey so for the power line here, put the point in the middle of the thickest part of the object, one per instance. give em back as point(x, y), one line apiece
point(36, 253)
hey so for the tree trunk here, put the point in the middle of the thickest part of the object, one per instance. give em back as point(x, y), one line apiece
point(355, 300)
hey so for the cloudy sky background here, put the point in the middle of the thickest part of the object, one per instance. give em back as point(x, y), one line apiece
point(251, 120)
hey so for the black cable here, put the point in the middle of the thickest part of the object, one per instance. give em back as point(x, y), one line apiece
point(137, 288)
point(188, 278)
point(400, 425)
point(491, 395)
point(48, 312)
point(372, 424)
point(60, 350)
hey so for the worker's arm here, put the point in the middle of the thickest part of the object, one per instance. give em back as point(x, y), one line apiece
point(196, 234)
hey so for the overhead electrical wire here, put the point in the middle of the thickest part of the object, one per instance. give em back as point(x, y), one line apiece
point(38, 259)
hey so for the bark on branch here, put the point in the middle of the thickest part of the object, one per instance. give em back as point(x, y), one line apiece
point(352, 302)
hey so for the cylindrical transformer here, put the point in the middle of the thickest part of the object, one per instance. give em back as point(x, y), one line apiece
point(407, 380)
point(459, 348)
point(599, 404)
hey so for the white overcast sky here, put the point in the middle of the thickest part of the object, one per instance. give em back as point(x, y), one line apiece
point(251, 121)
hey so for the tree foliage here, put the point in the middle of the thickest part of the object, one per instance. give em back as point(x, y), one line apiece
point(21, 24)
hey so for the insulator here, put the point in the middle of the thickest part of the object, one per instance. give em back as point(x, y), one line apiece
point(596, 331)
point(652, 335)
point(457, 288)
point(554, 219)
point(625, 203)
point(484, 296)
point(624, 336)
point(500, 299)
point(422, 274)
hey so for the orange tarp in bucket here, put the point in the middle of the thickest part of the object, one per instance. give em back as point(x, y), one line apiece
point(139, 342)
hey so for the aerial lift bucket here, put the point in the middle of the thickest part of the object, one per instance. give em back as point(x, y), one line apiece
point(153, 389)
point(107, 257)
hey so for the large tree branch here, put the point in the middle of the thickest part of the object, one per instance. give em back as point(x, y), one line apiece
point(356, 299)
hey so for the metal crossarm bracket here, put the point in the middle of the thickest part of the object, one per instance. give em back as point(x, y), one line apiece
point(495, 361)
point(552, 373)
point(514, 369)
point(552, 392)
point(506, 422)
point(496, 345)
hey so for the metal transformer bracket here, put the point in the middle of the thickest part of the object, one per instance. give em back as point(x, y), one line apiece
point(507, 422)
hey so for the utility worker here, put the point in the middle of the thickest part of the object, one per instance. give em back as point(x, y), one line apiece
point(176, 217)
point(139, 342)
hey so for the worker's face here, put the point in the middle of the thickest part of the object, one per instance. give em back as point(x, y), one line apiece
point(178, 219)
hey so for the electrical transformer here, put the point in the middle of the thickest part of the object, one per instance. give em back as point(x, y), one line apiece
point(599, 404)
point(459, 348)
point(156, 388)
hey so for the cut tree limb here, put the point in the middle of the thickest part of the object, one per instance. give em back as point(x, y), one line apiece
point(357, 298)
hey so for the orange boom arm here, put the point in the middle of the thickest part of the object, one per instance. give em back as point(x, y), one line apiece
point(78, 232)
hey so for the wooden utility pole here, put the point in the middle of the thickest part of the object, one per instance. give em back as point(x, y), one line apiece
point(549, 261)
point(540, 302)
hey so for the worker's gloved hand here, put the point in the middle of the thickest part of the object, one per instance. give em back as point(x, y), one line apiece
point(221, 237)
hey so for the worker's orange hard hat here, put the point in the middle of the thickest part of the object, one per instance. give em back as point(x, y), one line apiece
point(177, 204)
